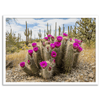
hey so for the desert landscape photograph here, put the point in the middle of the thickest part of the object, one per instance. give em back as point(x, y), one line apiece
point(50, 50)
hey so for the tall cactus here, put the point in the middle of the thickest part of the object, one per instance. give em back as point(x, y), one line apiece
point(59, 30)
point(44, 33)
point(26, 33)
point(47, 28)
point(63, 28)
point(68, 31)
point(52, 56)
point(39, 34)
point(50, 29)
point(31, 35)
point(55, 29)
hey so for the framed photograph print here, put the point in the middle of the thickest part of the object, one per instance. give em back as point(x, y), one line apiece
point(50, 50)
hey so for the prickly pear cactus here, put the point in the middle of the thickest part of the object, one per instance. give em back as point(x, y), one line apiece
point(55, 54)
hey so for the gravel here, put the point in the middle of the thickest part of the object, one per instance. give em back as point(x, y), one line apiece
point(81, 73)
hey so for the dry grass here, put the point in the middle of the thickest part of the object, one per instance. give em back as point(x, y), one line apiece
point(18, 57)
point(88, 55)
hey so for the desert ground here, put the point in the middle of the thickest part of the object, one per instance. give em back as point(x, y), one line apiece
point(85, 71)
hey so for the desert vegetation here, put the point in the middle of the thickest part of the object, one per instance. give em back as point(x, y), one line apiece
point(84, 31)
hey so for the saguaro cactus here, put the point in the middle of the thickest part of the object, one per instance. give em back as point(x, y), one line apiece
point(59, 30)
point(50, 29)
point(31, 35)
point(26, 33)
point(53, 55)
point(55, 29)
point(44, 33)
point(47, 28)
point(63, 28)
point(39, 34)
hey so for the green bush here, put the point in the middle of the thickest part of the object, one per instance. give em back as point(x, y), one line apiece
point(37, 40)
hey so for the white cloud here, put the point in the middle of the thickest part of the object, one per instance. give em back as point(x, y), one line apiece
point(40, 25)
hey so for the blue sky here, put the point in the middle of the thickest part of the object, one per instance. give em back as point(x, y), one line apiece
point(35, 24)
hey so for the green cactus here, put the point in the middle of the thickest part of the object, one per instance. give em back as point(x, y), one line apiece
point(50, 29)
point(27, 33)
point(40, 34)
point(56, 29)
point(66, 58)
point(59, 30)
point(47, 29)
point(44, 33)
point(63, 28)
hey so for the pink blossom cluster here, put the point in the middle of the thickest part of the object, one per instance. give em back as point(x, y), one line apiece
point(35, 48)
point(64, 34)
point(77, 41)
point(77, 46)
point(49, 36)
point(57, 44)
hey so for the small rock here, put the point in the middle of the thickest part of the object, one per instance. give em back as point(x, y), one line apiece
point(93, 67)
point(29, 78)
point(69, 79)
point(86, 79)
point(90, 75)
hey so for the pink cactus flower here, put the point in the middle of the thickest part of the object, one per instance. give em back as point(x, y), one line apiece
point(77, 41)
point(52, 37)
point(22, 64)
point(70, 39)
point(47, 48)
point(79, 49)
point(43, 43)
point(46, 38)
point(48, 41)
point(43, 64)
point(66, 39)
point(75, 45)
point(28, 61)
point(53, 54)
point(52, 45)
point(57, 44)
point(64, 34)
point(59, 38)
point(49, 68)
point(35, 49)
point(53, 61)
point(49, 35)
point(30, 52)
point(34, 44)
